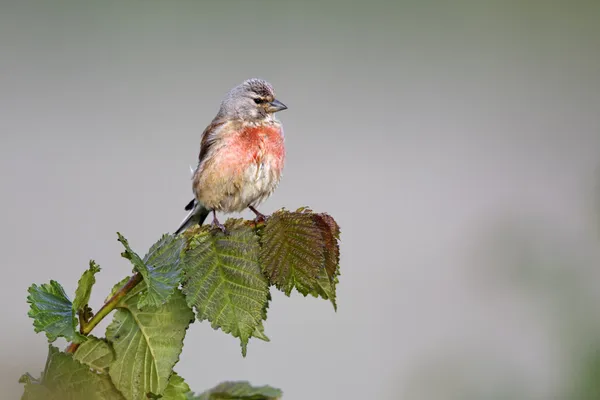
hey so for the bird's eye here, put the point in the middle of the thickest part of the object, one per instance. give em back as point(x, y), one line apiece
point(259, 100)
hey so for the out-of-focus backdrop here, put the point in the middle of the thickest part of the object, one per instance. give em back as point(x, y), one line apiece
point(457, 144)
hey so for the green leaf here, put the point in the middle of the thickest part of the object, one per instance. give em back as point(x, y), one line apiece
point(147, 344)
point(224, 281)
point(177, 389)
point(259, 333)
point(64, 378)
point(325, 289)
point(165, 270)
point(293, 251)
point(160, 269)
point(84, 286)
point(95, 353)
point(301, 250)
point(34, 389)
point(239, 391)
point(52, 312)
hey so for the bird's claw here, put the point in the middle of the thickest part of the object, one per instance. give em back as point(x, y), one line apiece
point(260, 217)
point(220, 226)
point(217, 224)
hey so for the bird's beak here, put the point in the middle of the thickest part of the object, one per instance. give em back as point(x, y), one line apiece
point(275, 106)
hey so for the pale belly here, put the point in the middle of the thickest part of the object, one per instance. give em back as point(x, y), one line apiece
point(257, 183)
point(231, 182)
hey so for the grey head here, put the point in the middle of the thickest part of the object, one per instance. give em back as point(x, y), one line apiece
point(254, 99)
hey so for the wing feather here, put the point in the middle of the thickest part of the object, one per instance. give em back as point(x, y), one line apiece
point(209, 137)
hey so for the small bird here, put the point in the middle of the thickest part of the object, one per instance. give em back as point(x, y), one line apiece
point(241, 155)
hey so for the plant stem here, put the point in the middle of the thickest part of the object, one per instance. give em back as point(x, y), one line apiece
point(82, 321)
point(106, 309)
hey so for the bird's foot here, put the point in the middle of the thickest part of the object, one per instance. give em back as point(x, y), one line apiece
point(260, 217)
point(217, 224)
point(220, 226)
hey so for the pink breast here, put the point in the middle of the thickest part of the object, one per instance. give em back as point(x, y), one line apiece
point(258, 144)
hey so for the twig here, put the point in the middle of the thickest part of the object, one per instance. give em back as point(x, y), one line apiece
point(106, 309)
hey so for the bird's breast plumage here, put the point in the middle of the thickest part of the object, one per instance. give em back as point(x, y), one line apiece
point(244, 168)
point(261, 144)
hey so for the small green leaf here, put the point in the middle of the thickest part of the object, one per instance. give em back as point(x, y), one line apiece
point(239, 391)
point(177, 389)
point(95, 353)
point(160, 269)
point(147, 344)
point(84, 287)
point(224, 281)
point(64, 378)
point(52, 312)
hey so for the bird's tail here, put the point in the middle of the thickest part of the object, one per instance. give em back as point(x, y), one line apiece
point(197, 215)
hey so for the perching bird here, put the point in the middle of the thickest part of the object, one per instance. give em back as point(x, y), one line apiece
point(241, 155)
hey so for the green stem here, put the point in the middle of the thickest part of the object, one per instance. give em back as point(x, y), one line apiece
point(106, 309)
point(82, 321)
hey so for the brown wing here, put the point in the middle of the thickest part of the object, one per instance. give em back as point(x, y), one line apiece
point(208, 138)
point(206, 142)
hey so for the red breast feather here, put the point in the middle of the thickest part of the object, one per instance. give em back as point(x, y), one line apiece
point(245, 170)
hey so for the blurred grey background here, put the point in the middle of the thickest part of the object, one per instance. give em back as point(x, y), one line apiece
point(456, 143)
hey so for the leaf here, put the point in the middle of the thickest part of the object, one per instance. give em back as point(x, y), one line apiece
point(64, 378)
point(301, 250)
point(239, 391)
point(34, 389)
point(177, 389)
point(330, 231)
point(259, 333)
point(95, 353)
point(224, 281)
point(147, 344)
point(52, 312)
point(326, 282)
point(160, 269)
point(325, 289)
point(293, 251)
point(84, 287)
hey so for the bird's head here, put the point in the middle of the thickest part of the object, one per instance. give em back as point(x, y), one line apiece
point(252, 100)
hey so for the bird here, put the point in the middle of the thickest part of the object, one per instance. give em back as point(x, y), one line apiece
point(242, 154)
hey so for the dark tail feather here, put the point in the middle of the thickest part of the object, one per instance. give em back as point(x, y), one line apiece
point(190, 205)
point(197, 215)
